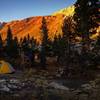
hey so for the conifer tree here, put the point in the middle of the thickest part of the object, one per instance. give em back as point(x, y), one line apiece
point(97, 45)
point(66, 40)
point(15, 47)
point(55, 46)
point(24, 45)
point(1, 42)
point(1, 46)
point(9, 42)
point(32, 49)
point(87, 17)
point(44, 34)
point(9, 37)
point(68, 33)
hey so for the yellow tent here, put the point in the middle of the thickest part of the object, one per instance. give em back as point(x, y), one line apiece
point(5, 68)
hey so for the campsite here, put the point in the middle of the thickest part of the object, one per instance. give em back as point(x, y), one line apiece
point(37, 84)
point(6, 68)
point(49, 50)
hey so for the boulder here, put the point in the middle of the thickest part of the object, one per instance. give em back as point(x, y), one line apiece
point(58, 86)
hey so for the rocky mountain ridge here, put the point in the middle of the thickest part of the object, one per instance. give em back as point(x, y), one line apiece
point(31, 25)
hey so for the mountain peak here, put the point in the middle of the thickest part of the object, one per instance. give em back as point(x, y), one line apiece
point(69, 11)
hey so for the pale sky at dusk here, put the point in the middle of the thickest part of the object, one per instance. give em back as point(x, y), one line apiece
point(19, 9)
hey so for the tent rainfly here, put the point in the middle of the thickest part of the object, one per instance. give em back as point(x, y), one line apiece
point(6, 68)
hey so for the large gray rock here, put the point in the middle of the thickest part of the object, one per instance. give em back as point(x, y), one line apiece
point(4, 88)
point(86, 86)
point(58, 86)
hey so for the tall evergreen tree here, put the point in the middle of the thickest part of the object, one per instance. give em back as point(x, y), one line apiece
point(28, 38)
point(25, 45)
point(55, 46)
point(1, 42)
point(44, 34)
point(87, 17)
point(32, 49)
point(9, 36)
point(97, 46)
point(68, 30)
point(15, 46)
point(1, 46)
point(9, 42)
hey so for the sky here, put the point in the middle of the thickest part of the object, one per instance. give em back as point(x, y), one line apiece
point(19, 9)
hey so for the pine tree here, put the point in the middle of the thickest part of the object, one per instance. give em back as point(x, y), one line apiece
point(97, 45)
point(15, 47)
point(87, 17)
point(67, 39)
point(9, 36)
point(60, 49)
point(94, 14)
point(32, 49)
point(1, 46)
point(68, 30)
point(9, 42)
point(28, 38)
point(33, 44)
point(44, 34)
point(12, 45)
point(1, 42)
point(25, 45)
point(55, 46)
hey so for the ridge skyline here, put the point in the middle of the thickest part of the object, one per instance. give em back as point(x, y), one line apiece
point(20, 9)
point(52, 14)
